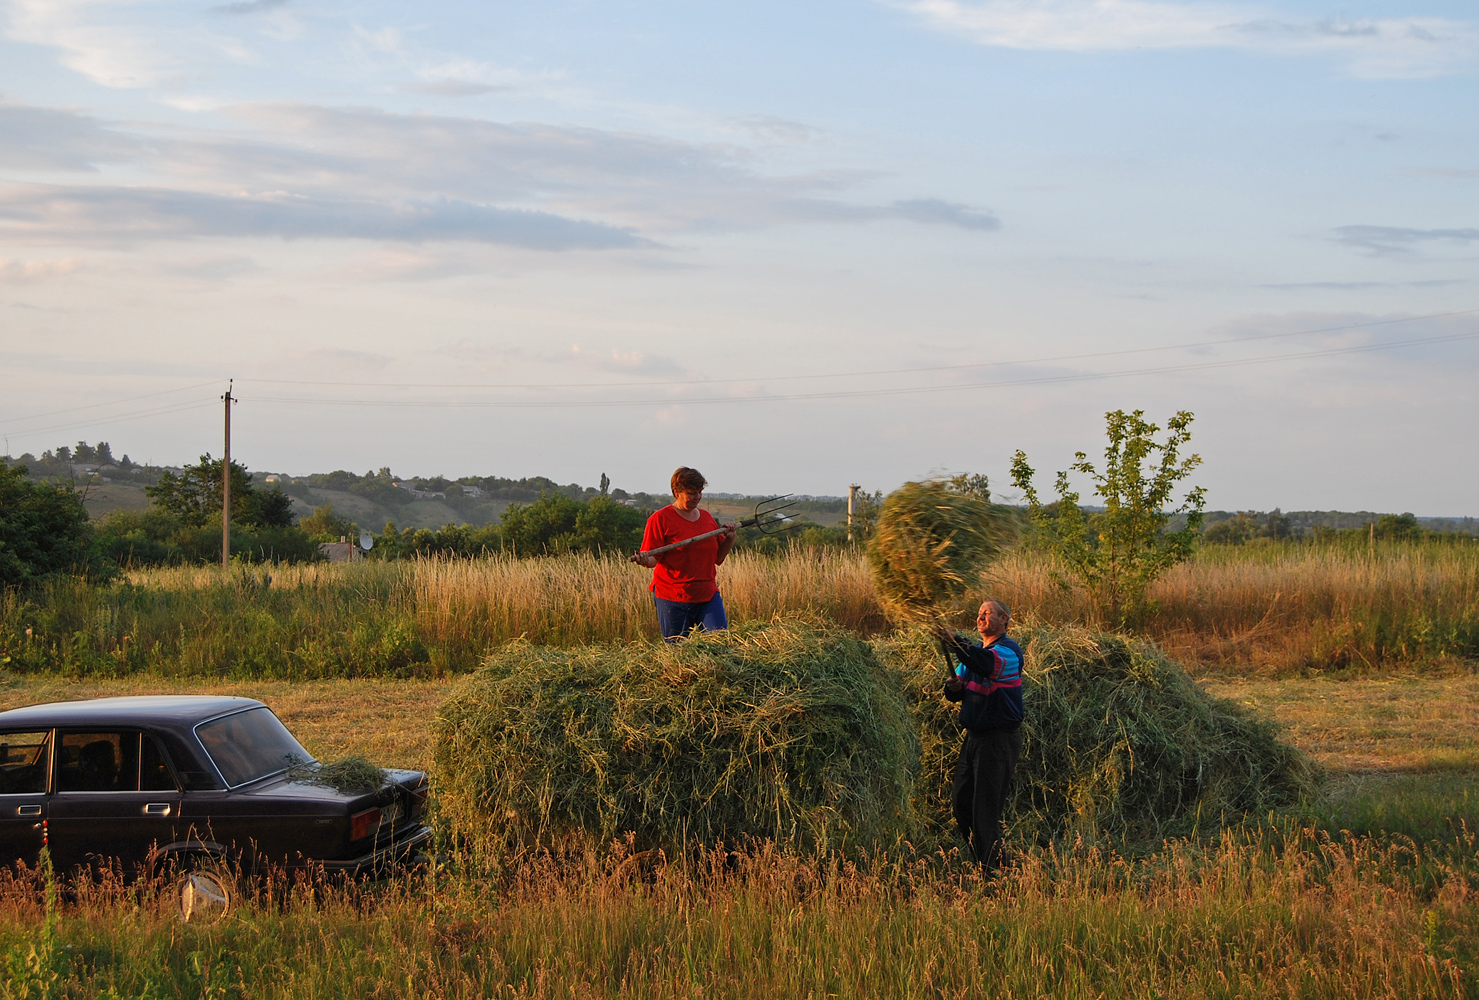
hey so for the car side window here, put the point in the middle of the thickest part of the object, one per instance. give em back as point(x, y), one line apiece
point(154, 772)
point(23, 760)
point(98, 762)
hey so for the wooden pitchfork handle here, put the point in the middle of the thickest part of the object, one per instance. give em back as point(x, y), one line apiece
point(747, 522)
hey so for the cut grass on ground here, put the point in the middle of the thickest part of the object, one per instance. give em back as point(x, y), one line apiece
point(1364, 725)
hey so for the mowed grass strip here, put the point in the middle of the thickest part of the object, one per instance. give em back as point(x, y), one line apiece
point(1371, 724)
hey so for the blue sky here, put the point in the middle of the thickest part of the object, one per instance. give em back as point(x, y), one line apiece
point(796, 246)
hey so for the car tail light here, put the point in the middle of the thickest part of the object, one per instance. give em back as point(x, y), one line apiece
point(362, 824)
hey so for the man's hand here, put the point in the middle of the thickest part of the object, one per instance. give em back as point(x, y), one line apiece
point(731, 529)
point(954, 685)
point(643, 559)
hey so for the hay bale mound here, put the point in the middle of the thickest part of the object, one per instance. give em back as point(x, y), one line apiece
point(1119, 742)
point(788, 731)
point(930, 544)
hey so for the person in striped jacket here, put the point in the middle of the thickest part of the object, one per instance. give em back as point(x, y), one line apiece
point(987, 682)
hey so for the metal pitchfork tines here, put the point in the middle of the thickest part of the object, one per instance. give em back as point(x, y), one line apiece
point(767, 518)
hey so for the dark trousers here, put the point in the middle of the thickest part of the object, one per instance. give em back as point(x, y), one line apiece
point(676, 619)
point(983, 780)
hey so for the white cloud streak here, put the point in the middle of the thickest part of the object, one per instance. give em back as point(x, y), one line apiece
point(1373, 47)
point(306, 171)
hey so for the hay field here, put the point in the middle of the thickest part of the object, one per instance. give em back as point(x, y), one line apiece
point(1288, 908)
point(1254, 610)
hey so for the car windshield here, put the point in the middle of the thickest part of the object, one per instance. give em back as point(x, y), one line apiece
point(250, 745)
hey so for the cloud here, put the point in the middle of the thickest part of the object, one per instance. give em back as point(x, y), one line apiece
point(248, 7)
point(1455, 173)
point(776, 131)
point(1374, 47)
point(455, 88)
point(106, 53)
point(1389, 240)
point(625, 362)
point(48, 139)
point(298, 170)
point(937, 212)
point(27, 271)
point(338, 359)
point(1360, 286)
point(123, 213)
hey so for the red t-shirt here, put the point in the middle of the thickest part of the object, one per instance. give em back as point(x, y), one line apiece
point(686, 574)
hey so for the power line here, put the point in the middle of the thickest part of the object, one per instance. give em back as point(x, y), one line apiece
point(859, 393)
point(859, 374)
point(113, 402)
point(137, 415)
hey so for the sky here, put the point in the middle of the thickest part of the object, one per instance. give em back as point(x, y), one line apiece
point(796, 246)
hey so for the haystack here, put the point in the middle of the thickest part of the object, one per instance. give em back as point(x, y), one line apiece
point(786, 731)
point(1119, 742)
point(929, 545)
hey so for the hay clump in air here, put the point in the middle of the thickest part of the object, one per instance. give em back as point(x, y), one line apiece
point(786, 731)
point(1119, 743)
point(929, 545)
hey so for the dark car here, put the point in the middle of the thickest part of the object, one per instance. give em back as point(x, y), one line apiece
point(185, 780)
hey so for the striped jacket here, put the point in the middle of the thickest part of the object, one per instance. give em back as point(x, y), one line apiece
point(990, 690)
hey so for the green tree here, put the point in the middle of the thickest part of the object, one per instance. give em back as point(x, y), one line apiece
point(194, 496)
point(323, 525)
point(1117, 554)
point(43, 530)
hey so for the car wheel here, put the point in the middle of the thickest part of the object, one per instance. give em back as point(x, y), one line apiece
point(205, 891)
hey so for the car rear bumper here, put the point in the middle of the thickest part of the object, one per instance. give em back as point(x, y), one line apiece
point(386, 855)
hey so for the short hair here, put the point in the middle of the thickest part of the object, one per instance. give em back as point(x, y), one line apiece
point(687, 479)
point(999, 606)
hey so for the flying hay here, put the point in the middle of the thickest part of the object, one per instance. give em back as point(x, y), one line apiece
point(1119, 742)
point(785, 731)
point(929, 545)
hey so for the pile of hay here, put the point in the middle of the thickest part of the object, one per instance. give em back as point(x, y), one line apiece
point(786, 731)
point(1119, 742)
point(929, 545)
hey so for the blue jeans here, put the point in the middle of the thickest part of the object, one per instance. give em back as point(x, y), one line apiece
point(677, 619)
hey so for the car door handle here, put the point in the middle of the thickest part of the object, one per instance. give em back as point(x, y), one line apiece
point(28, 810)
point(157, 809)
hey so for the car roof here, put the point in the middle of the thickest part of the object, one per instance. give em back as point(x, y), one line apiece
point(171, 710)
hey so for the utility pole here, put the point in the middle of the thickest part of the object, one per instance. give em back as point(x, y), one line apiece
point(852, 494)
point(226, 484)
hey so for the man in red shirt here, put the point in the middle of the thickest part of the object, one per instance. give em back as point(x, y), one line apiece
point(683, 580)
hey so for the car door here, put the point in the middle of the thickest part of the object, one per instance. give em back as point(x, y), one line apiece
point(25, 764)
point(115, 799)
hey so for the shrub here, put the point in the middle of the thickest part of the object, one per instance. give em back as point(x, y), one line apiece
point(786, 731)
point(1120, 742)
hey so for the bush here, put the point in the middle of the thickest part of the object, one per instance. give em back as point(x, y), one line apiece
point(43, 531)
point(1119, 742)
point(786, 731)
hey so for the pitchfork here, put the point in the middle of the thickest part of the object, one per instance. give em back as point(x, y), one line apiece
point(767, 515)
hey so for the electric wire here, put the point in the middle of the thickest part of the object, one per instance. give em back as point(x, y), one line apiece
point(111, 402)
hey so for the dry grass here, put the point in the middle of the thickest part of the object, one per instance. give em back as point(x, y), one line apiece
point(1381, 724)
point(1288, 609)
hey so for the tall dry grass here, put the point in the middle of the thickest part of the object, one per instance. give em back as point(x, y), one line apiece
point(1260, 609)
point(1294, 914)
point(1288, 608)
